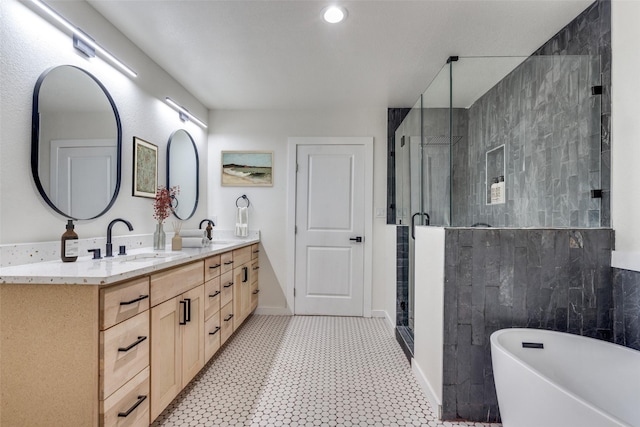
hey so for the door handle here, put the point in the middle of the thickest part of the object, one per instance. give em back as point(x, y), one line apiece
point(357, 239)
point(413, 223)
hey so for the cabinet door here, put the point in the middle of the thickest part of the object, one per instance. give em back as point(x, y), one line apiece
point(192, 334)
point(166, 355)
point(241, 294)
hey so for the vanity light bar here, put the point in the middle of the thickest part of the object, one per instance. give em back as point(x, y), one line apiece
point(77, 32)
point(184, 113)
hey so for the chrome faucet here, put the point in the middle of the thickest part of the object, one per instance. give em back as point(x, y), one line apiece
point(209, 227)
point(109, 227)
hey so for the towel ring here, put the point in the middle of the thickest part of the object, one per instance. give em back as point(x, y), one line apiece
point(245, 198)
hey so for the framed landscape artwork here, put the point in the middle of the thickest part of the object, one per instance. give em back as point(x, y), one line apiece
point(247, 168)
point(145, 168)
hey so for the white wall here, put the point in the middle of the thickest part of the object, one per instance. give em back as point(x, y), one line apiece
point(625, 133)
point(29, 45)
point(428, 363)
point(269, 130)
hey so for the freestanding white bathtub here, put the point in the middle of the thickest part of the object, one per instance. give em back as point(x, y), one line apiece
point(555, 379)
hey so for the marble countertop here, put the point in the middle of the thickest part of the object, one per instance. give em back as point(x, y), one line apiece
point(137, 262)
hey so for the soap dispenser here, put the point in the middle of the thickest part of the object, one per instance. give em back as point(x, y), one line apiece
point(69, 244)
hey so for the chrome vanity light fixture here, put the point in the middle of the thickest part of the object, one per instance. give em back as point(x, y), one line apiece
point(334, 14)
point(82, 41)
point(184, 114)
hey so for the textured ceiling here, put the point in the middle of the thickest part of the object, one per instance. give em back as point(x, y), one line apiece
point(281, 55)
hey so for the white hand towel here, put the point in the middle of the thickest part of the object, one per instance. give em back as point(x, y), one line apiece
point(242, 222)
point(194, 242)
point(193, 233)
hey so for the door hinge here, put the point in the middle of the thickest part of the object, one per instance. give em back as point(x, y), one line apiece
point(295, 230)
point(297, 167)
point(294, 292)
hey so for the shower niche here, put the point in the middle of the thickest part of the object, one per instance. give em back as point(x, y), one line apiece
point(495, 182)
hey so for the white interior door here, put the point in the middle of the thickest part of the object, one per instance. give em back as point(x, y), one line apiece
point(330, 226)
point(82, 178)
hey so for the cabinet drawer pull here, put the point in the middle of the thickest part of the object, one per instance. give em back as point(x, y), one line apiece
point(216, 331)
point(256, 291)
point(229, 317)
point(256, 267)
point(140, 298)
point(228, 285)
point(245, 274)
point(133, 408)
point(256, 251)
point(138, 341)
point(228, 263)
point(214, 266)
point(215, 294)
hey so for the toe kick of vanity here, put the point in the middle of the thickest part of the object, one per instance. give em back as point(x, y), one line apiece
point(118, 354)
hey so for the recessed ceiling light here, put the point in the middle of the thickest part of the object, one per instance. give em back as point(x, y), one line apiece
point(334, 14)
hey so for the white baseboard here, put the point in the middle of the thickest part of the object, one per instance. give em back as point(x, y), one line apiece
point(389, 322)
point(273, 311)
point(426, 387)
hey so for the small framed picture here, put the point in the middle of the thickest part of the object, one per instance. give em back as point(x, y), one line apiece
point(145, 168)
point(247, 168)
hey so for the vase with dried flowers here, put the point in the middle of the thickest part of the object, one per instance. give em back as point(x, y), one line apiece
point(162, 208)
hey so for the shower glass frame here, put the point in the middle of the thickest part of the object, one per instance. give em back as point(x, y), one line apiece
point(552, 160)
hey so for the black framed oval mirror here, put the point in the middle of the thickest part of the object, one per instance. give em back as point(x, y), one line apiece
point(183, 170)
point(76, 143)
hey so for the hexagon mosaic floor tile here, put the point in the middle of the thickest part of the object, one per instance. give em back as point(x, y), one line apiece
point(306, 371)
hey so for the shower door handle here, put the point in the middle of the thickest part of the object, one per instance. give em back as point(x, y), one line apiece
point(413, 223)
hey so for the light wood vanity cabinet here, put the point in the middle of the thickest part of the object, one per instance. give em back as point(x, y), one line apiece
point(117, 355)
point(124, 354)
point(177, 332)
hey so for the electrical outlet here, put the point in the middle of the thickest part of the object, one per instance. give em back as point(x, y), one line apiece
point(380, 213)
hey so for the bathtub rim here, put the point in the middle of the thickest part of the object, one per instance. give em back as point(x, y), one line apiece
point(494, 343)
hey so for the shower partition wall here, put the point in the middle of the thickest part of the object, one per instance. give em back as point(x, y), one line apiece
point(531, 124)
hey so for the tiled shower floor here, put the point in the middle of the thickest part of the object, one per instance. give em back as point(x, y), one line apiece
point(311, 371)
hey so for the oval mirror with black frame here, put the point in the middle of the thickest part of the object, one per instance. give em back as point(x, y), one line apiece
point(76, 143)
point(183, 171)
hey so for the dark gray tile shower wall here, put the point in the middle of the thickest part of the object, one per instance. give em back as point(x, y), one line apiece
point(501, 278)
point(557, 150)
point(626, 298)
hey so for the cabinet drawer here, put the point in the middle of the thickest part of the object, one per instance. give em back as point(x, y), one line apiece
point(226, 259)
point(226, 322)
point(226, 288)
point(212, 330)
point(129, 406)
point(212, 296)
point(121, 302)
point(171, 283)
point(124, 351)
point(255, 266)
point(241, 256)
point(212, 267)
point(255, 251)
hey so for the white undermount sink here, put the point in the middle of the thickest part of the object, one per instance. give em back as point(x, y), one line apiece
point(142, 257)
